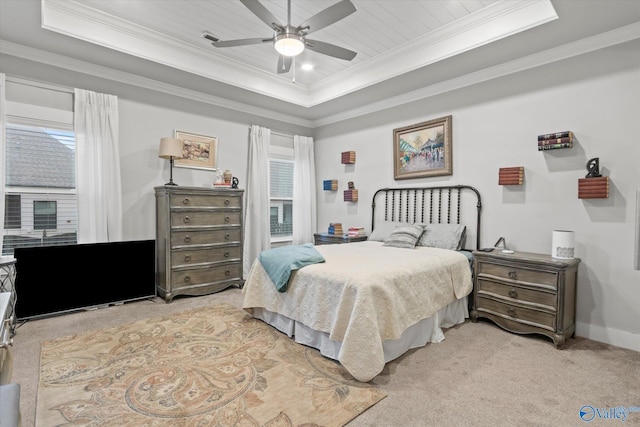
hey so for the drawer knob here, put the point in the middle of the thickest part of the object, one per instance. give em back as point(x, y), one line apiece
point(511, 312)
point(226, 202)
point(227, 272)
point(187, 278)
point(186, 220)
point(187, 239)
point(227, 236)
point(513, 293)
point(186, 201)
point(227, 219)
point(187, 258)
point(513, 275)
point(226, 254)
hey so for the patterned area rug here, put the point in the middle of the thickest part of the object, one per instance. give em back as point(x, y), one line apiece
point(215, 366)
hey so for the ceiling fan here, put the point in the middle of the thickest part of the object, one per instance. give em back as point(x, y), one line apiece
point(290, 41)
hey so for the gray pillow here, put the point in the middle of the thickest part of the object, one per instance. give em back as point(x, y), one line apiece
point(382, 231)
point(404, 236)
point(444, 236)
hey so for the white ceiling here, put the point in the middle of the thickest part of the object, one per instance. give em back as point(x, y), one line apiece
point(406, 49)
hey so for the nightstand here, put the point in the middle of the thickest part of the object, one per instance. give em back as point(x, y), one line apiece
point(332, 239)
point(526, 293)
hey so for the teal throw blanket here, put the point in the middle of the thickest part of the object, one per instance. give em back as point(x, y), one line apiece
point(280, 262)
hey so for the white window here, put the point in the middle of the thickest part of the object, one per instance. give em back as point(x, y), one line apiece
point(40, 188)
point(281, 187)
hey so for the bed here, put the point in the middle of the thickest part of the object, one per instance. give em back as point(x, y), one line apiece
point(369, 302)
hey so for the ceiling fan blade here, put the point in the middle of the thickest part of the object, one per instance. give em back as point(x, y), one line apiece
point(328, 16)
point(330, 49)
point(284, 64)
point(240, 42)
point(263, 13)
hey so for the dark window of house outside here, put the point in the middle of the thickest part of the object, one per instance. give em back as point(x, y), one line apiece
point(45, 215)
point(13, 217)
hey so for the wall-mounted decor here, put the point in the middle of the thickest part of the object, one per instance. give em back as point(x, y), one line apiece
point(511, 176)
point(198, 151)
point(593, 185)
point(553, 141)
point(423, 149)
point(330, 184)
point(350, 195)
point(348, 157)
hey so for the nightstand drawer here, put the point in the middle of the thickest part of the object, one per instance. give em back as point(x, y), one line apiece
point(519, 274)
point(517, 313)
point(517, 293)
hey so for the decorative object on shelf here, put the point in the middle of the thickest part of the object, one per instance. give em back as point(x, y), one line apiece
point(356, 231)
point(198, 151)
point(335, 228)
point(350, 185)
point(351, 195)
point(348, 157)
point(502, 244)
point(563, 244)
point(593, 188)
point(227, 175)
point(423, 149)
point(511, 176)
point(593, 168)
point(234, 182)
point(552, 141)
point(330, 184)
point(170, 148)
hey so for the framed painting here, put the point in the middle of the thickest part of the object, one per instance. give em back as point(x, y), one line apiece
point(198, 151)
point(423, 149)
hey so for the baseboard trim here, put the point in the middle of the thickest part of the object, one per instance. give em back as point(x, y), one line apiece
point(610, 336)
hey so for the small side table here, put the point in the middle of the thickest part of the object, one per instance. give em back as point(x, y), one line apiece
point(8, 284)
point(333, 239)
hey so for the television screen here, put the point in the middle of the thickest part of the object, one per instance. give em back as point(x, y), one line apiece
point(56, 279)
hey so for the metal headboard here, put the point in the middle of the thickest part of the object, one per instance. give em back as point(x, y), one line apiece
point(442, 205)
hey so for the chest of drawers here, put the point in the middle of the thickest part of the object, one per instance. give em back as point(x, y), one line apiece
point(526, 293)
point(198, 240)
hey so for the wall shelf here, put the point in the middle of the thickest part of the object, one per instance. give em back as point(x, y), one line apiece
point(330, 185)
point(348, 157)
point(350, 195)
point(511, 176)
point(593, 188)
point(554, 141)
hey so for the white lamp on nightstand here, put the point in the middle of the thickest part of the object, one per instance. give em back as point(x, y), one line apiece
point(170, 148)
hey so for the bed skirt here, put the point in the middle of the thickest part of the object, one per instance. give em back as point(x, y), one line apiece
point(426, 331)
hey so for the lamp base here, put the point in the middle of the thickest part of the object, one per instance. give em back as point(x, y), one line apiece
point(171, 183)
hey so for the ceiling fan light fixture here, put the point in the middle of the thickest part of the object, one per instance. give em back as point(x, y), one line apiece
point(289, 44)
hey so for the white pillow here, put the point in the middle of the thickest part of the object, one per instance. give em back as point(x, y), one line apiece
point(382, 231)
point(444, 236)
point(404, 236)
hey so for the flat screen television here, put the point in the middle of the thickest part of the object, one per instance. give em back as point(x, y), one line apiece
point(53, 280)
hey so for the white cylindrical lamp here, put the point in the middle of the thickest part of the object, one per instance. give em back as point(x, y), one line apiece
point(563, 244)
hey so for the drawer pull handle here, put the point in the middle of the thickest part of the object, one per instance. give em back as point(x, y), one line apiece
point(513, 275)
point(187, 239)
point(186, 201)
point(226, 254)
point(187, 258)
point(227, 219)
point(227, 236)
point(187, 278)
point(226, 202)
point(513, 293)
point(511, 312)
point(227, 272)
point(186, 220)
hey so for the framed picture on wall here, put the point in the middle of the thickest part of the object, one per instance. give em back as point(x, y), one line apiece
point(423, 149)
point(198, 151)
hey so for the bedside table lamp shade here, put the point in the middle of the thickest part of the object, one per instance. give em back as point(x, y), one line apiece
point(563, 244)
point(170, 148)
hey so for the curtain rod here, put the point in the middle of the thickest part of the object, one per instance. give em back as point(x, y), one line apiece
point(279, 133)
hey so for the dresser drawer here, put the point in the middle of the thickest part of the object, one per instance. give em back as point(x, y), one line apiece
point(521, 274)
point(205, 237)
point(517, 313)
point(199, 218)
point(183, 258)
point(216, 201)
point(517, 293)
point(201, 276)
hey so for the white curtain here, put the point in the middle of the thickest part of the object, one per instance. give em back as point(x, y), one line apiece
point(3, 155)
point(97, 167)
point(304, 190)
point(257, 234)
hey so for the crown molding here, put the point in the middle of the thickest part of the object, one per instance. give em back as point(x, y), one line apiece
point(66, 63)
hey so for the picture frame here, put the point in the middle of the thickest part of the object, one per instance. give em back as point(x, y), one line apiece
point(423, 149)
point(198, 151)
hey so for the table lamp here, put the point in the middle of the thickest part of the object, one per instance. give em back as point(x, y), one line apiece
point(170, 148)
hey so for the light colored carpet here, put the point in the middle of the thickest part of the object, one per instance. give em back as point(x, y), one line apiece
point(480, 375)
point(214, 366)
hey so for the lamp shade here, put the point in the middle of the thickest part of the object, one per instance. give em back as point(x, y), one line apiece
point(170, 148)
point(289, 44)
point(563, 244)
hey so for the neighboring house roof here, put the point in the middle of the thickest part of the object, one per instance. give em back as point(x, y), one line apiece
point(37, 159)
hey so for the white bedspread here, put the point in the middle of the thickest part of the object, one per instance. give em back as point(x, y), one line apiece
point(363, 294)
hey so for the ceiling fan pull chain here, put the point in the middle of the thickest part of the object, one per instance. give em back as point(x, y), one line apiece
point(293, 65)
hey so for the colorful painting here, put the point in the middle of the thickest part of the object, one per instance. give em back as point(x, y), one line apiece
point(423, 149)
point(198, 151)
